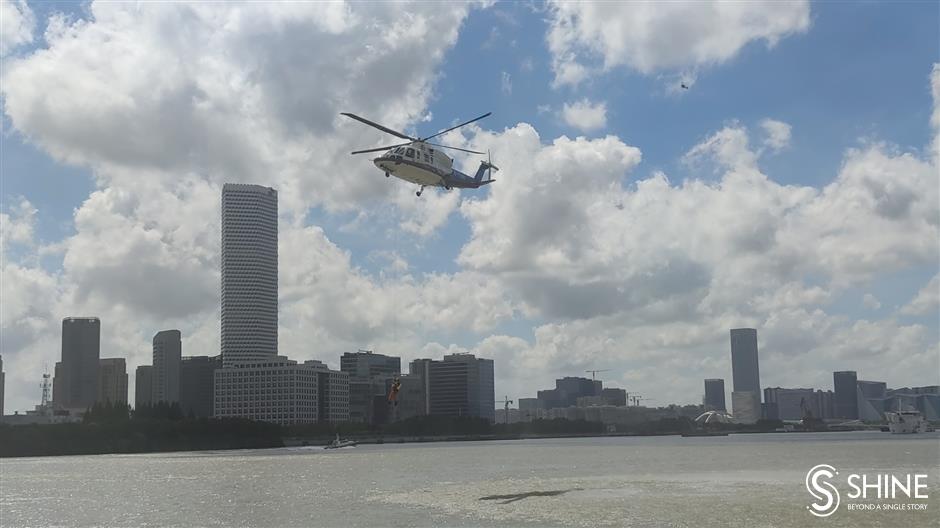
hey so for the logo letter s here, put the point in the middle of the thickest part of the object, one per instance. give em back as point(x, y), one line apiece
point(823, 492)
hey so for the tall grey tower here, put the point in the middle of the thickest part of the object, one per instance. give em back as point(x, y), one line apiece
point(744, 369)
point(715, 395)
point(249, 273)
point(845, 399)
point(81, 349)
point(165, 380)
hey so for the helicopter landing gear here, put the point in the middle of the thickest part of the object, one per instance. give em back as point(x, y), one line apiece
point(418, 194)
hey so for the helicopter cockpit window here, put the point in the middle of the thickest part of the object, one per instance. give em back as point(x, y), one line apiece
point(410, 153)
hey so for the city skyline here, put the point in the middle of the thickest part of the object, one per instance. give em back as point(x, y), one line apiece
point(194, 374)
point(789, 189)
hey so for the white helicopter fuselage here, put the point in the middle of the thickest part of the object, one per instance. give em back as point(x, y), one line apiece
point(419, 163)
point(416, 163)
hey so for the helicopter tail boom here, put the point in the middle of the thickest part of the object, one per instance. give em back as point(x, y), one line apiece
point(484, 167)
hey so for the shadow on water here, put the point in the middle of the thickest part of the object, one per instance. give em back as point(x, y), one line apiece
point(513, 497)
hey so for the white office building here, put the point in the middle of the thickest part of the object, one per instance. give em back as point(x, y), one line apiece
point(281, 391)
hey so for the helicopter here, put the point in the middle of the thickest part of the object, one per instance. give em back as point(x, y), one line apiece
point(419, 162)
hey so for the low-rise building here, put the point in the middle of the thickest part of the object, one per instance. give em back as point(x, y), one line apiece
point(788, 404)
point(280, 390)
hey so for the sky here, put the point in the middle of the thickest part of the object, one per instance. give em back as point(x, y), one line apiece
point(792, 188)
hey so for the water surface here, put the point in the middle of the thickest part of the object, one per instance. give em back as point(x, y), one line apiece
point(740, 480)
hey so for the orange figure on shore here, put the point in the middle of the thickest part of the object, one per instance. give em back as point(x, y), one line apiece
point(393, 393)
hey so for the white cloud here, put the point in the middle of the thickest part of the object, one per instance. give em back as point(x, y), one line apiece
point(651, 36)
point(505, 83)
point(585, 115)
point(16, 227)
point(927, 299)
point(777, 132)
point(241, 92)
point(871, 302)
point(729, 147)
point(17, 24)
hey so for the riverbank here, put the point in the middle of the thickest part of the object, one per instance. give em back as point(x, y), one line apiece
point(138, 436)
point(399, 439)
point(163, 435)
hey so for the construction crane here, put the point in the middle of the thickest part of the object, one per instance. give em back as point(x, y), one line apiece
point(506, 402)
point(594, 373)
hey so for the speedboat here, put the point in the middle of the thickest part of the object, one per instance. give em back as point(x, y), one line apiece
point(338, 443)
point(906, 422)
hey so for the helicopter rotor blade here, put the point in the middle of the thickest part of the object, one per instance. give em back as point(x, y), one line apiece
point(377, 149)
point(456, 127)
point(457, 148)
point(378, 126)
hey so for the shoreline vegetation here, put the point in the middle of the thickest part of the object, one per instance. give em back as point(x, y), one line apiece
point(117, 430)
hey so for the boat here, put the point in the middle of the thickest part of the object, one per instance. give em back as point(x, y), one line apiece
point(338, 443)
point(906, 422)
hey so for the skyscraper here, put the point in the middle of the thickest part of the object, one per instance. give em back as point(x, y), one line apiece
point(77, 374)
point(112, 380)
point(143, 387)
point(249, 273)
point(744, 367)
point(3, 385)
point(167, 350)
point(254, 382)
point(845, 399)
point(715, 395)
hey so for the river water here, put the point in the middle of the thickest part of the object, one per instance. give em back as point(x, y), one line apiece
point(739, 480)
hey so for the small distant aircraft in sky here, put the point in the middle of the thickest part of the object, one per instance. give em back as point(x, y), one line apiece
point(418, 162)
point(684, 86)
